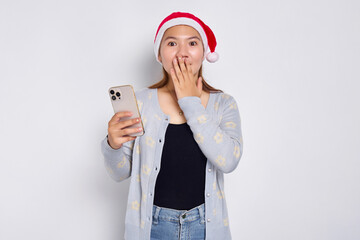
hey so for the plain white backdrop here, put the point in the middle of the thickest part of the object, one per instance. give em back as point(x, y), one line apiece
point(292, 66)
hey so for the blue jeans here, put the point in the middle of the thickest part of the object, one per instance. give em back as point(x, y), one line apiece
point(171, 224)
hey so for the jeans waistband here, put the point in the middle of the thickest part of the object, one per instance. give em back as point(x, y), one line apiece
point(174, 215)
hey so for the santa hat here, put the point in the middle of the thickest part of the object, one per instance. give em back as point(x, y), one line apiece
point(181, 18)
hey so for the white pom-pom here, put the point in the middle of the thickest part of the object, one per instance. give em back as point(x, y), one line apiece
point(212, 57)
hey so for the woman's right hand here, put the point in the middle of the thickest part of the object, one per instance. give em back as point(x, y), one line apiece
point(118, 131)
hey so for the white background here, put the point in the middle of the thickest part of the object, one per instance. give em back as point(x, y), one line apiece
point(293, 67)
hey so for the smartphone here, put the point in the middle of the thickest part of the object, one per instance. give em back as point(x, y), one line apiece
point(123, 99)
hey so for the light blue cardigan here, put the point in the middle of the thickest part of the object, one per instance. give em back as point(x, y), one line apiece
point(217, 131)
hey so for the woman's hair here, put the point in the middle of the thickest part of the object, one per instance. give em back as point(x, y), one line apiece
point(205, 86)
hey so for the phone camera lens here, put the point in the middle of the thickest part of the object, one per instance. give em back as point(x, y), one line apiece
point(112, 92)
point(113, 98)
point(118, 94)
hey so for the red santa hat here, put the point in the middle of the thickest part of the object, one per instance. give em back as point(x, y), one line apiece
point(181, 18)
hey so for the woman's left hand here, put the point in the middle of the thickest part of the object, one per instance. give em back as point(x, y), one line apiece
point(185, 83)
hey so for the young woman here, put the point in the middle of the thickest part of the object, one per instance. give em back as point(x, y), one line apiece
point(192, 137)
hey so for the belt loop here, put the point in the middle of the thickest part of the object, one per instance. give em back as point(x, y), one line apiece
point(156, 215)
point(201, 209)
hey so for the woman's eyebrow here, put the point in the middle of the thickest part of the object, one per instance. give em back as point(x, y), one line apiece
point(171, 37)
point(194, 37)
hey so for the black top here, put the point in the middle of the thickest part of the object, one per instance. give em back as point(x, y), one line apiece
point(181, 181)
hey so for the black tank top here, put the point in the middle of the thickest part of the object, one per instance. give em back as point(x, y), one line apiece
point(181, 181)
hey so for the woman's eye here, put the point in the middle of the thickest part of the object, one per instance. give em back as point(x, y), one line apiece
point(193, 43)
point(171, 44)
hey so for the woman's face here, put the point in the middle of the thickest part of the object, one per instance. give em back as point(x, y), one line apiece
point(181, 41)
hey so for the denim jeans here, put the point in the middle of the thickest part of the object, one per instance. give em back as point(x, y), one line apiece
point(171, 224)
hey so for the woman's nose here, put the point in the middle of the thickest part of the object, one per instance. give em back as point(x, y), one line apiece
point(182, 52)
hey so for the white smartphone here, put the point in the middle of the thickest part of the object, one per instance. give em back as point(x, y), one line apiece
point(123, 99)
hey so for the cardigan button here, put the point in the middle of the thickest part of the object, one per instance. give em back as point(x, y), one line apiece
point(209, 169)
point(208, 219)
point(208, 194)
